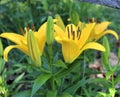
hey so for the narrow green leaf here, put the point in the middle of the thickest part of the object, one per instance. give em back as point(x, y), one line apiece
point(66, 95)
point(63, 72)
point(58, 81)
point(60, 63)
point(2, 64)
point(52, 94)
point(19, 78)
point(1, 48)
point(77, 85)
point(25, 93)
point(39, 82)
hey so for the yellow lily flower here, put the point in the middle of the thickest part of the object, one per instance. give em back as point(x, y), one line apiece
point(74, 40)
point(100, 30)
point(21, 41)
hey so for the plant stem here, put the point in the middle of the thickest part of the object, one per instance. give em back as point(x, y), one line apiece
point(50, 52)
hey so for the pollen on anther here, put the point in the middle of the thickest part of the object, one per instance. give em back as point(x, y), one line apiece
point(68, 32)
point(71, 29)
point(73, 35)
point(78, 33)
point(22, 31)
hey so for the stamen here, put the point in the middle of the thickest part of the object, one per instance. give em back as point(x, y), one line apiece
point(33, 27)
point(71, 29)
point(22, 31)
point(98, 21)
point(27, 28)
point(78, 33)
point(73, 35)
point(68, 32)
point(78, 30)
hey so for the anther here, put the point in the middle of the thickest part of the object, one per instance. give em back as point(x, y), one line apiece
point(33, 27)
point(27, 28)
point(73, 35)
point(78, 30)
point(68, 32)
point(78, 33)
point(22, 31)
point(71, 29)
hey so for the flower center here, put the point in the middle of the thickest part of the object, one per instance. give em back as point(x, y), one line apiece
point(73, 33)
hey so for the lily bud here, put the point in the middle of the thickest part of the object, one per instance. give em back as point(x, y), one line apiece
point(74, 17)
point(106, 54)
point(60, 22)
point(50, 30)
point(33, 48)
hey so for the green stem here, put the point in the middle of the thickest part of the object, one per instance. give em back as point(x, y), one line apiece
point(50, 52)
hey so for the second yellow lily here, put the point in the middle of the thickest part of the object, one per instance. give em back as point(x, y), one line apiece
point(74, 40)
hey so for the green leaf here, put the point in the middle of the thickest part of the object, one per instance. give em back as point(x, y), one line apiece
point(66, 95)
point(63, 72)
point(109, 74)
point(25, 93)
point(18, 78)
point(77, 85)
point(39, 82)
point(60, 63)
point(2, 64)
point(58, 81)
point(1, 48)
point(51, 93)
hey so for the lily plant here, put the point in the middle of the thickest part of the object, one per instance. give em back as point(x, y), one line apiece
point(24, 42)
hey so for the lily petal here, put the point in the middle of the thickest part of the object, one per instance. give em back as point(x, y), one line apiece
point(107, 32)
point(16, 38)
point(7, 50)
point(41, 37)
point(59, 32)
point(85, 34)
point(101, 27)
point(93, 45)
point(70, 51)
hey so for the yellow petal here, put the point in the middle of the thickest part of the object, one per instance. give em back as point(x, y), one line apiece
point(59, 32)
point(93, 45)
point(85, 34)
point(107, 32)
point(70, 51)
point(7, 50)
point(16, 38)
point(41, 37)
point(99, 28)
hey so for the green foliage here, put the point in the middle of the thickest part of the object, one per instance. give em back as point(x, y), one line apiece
point(55, 78)
point(39, 82)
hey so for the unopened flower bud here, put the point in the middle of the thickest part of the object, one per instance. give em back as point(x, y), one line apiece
point(33, 48)
point(50, 30)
